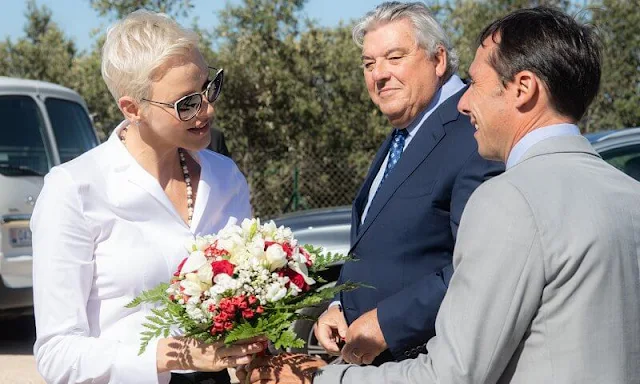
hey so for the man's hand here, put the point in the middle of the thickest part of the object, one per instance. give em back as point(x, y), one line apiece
point(330, 329)
point(287, 368)
point(365, 340)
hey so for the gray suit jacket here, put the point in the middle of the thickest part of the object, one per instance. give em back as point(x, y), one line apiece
point(546, 287)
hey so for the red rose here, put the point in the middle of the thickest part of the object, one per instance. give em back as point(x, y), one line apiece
point(223, 316)
point(177, 272)
point(227, 306)
point(223, 266)
point(247, 313)
point(252, 300)
point(228, 325)
point(260, 309)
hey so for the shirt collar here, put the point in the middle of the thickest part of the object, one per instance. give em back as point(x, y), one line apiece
point(450, 88)
point(536, 136)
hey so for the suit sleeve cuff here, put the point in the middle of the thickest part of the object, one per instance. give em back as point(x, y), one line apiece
point(331, 374)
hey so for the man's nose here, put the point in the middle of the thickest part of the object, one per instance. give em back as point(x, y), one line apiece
point(463, 104)
point(381, 72)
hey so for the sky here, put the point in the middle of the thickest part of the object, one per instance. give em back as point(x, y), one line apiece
point(77, 19)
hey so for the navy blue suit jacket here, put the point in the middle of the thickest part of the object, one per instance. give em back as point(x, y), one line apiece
point(405, 246)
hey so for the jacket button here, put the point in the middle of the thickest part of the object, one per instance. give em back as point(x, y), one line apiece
point(406, 353)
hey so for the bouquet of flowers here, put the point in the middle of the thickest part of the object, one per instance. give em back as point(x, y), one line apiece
point(247, 280)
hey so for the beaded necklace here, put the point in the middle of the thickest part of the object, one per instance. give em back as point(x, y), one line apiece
point(185, 174)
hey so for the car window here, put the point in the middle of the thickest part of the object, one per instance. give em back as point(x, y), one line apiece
point(71, 127)
point(626, 159)
point(22, 148)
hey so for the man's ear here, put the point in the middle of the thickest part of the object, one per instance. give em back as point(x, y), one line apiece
point(526, 88)
point(440, 59)
point(130, 108)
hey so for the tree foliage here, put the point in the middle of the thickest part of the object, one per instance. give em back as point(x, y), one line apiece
point(617, 103)
point(294, 98)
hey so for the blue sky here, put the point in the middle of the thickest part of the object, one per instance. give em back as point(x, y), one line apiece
point(77, 19)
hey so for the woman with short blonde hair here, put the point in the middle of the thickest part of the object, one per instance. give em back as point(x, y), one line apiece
point(112, 222)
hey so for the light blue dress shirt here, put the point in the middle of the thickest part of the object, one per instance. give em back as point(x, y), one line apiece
point(450, 88)
point(536, 136)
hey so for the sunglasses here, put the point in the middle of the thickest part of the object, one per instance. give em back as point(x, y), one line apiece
point(187, 107)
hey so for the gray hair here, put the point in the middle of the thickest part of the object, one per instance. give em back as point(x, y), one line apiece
point(428, 32)
point(137, 46)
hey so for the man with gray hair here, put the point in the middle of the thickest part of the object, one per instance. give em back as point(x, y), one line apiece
point(405, 216)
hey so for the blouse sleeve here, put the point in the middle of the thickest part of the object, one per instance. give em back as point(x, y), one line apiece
point(63, 272)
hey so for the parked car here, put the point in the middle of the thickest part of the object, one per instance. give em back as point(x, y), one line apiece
point(331, 227)
point(41, 125)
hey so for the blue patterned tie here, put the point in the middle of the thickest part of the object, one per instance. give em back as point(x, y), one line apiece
point(395, 151)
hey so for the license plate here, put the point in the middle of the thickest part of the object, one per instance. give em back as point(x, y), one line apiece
point(20, 237)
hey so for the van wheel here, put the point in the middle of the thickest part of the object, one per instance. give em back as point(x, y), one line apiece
point(304, 330)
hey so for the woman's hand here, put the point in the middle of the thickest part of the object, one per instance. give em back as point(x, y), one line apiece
point(180, 353)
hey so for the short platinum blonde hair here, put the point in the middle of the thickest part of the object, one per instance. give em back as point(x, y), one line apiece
point(137, 46)
point(428, 32)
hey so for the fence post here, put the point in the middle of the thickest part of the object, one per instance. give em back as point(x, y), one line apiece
point(296, 190)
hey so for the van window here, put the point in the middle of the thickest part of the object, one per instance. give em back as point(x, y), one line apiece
point(71, 127)
point(22, 149)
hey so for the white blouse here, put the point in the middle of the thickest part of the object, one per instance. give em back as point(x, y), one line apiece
point(103, 232)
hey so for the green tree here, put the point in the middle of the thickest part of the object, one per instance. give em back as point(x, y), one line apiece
point(617, 103)
point(294, 100)
point(86, 79)
point(465, 19)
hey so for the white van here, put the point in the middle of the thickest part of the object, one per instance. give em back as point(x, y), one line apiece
point(41, 125)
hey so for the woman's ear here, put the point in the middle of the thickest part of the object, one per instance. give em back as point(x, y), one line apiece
point(130, 108)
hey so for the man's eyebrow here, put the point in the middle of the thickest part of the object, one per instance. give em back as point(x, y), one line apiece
point(387, 52)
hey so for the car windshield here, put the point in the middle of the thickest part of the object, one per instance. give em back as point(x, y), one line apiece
point(71, 127)
point(22, 149)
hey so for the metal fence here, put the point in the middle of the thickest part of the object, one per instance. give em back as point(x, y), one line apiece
point(295, 182)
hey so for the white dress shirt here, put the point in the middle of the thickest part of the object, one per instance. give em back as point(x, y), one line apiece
point(103, 232)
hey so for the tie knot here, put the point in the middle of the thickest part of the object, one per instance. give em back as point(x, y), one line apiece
point(400, 134)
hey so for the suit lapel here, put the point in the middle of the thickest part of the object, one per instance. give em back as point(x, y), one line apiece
point(427, 138)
